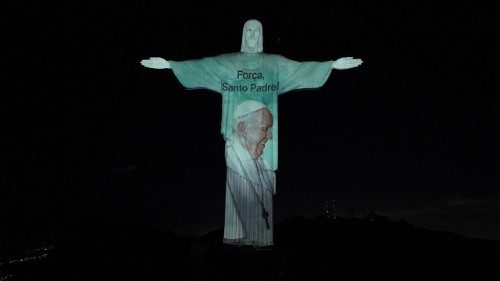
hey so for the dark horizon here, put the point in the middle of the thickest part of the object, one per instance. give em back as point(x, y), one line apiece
point(305, 248)
point(408, 135)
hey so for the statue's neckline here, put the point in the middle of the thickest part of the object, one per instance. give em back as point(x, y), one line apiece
point(251, 61)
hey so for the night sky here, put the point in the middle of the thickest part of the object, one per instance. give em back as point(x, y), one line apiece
point(411, 134)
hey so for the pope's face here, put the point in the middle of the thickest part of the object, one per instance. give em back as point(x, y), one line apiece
point(257, 130)
point(252, 34)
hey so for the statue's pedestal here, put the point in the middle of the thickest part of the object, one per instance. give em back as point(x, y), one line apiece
point(236, 263)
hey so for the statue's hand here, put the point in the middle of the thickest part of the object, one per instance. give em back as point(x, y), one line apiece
point(156, 63)
point(346, 63)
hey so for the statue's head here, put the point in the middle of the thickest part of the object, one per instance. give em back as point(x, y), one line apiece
point(252, 39)
point(253, 124)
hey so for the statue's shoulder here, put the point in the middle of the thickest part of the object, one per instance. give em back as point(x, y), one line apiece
point(224, 59)
point(275, 59)
point(273, 56)
point(228, 56)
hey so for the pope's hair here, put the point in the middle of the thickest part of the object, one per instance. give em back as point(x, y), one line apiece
point(243, 119)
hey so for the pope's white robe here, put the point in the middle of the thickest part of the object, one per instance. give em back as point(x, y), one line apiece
point(250, 184)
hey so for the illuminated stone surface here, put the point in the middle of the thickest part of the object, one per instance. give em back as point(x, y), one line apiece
point(254, 80)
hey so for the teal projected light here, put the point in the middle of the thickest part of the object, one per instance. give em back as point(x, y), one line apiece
point(250, 82)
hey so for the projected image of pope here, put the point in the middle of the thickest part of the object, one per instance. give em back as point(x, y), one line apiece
point(249, 83)
point(250, 182)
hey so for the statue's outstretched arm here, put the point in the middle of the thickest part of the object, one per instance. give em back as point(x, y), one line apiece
point(156, 63)
point(346, 63)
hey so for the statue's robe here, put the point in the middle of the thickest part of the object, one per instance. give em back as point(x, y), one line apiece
point(261, 77)
point(250, 185)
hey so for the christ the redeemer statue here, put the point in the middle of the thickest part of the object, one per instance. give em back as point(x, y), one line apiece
point(250, 82)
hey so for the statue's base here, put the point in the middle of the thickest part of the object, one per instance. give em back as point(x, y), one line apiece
point(227, 262)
